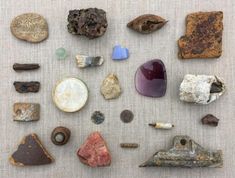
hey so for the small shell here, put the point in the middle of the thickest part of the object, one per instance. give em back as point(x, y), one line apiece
point(70, 94)
point(201, 89)
point(84, 61)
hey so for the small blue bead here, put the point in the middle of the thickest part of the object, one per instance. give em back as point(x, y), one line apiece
point(120, 53)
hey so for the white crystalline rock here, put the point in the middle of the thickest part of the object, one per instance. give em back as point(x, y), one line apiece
point(84, 61)
point(196, 88)
point(70, 94)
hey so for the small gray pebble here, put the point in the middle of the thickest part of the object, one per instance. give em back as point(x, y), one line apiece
point(97, 117)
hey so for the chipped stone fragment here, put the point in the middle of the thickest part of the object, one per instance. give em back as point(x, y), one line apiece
point(147, 23)
point(27, 87)
point(203, 38)
point(187, 153)
point(30, 27)
point(201, 89)
point(210, 120)
point(111, 88)
point(84, 61)
point(94, 152)
point(30, 152)
point(26, 112)
point(90, 22)
point(70, 94)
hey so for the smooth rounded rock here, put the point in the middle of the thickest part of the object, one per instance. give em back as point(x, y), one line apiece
point(70, 94)
point(151, 79)
point(30, 27)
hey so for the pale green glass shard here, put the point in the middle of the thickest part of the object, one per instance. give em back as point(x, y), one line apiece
point(61, 53)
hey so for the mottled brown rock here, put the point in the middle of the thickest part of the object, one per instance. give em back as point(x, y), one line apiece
point(203, 38)
point(30, 152)
point(30, 27)
point(26, 112)
point(60, 135)
point(22, 67)
point(210, 120)
point(94, 152)
point(90, 22)
point(147, 23)
point(26, 87)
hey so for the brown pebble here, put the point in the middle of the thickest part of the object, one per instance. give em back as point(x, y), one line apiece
point(211, 120)
point(21, 67)
point(60, 135)
point(26, 87)
point(129, 145)
point(127, 116)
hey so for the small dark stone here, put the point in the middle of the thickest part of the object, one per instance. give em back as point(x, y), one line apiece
point(126, 116)
point(60, 135)
point(21, 67)
point(90, 22)
point(26, 87)
point(97, 117)
point(211, 120)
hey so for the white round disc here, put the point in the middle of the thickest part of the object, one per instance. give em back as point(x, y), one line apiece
point(70, 94)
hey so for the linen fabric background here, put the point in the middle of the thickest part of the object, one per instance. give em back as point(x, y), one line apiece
point(160, 45)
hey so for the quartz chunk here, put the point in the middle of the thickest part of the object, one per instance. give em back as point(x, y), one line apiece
point(201, 89)
point(111, 88)
point(94, 152)
point(26, 112)
point(84, 61)
point(120, 53)
point(30, 152)
point(151, 79)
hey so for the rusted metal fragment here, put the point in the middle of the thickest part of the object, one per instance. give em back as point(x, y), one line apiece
point(147, 23)
point(129, 145)
point(203, 38)
point(185, 153)
point(26, 112)
point(30, 152)
point(26, 87)
point(60, 135)
point(211, 120)
point(22, 67)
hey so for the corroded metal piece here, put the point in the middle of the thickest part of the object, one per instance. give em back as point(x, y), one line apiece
point(21, 67)
point(27, 87)
point(185, 153)
point(129, 145)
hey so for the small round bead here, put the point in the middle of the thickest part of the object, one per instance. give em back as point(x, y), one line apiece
point(60, 135)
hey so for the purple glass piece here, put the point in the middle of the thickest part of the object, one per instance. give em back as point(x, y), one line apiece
point(151, 79)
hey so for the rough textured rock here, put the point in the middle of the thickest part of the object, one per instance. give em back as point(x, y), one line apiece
point(203, 38)
point(90, 22)
point(26, 112)
point(94, 151)
point(30, 152)
point(84, 61)
point(111, 88)
point(27, 87)
point(147, 23)
point(201, 89)
point(211, 120)
point(30, 27)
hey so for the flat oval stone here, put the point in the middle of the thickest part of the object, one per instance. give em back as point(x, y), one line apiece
point(151, 79)
point(30, 27)
point(70, 94)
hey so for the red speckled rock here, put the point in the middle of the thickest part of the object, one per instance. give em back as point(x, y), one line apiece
point(94, 152)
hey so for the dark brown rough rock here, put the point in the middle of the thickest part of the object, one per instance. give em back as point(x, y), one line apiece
point(90, 22)
point(22, 67)
point(26, 87)
point(210, 120)
point(147, 23)
point(30, 152)
point(94, 152)
point(203, 38)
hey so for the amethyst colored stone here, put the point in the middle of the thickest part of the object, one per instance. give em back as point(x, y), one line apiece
point(150, 79)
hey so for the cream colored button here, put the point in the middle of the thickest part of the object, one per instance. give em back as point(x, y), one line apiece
point(70, 94)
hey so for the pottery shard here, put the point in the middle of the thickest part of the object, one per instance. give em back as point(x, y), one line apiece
point(94, 151)
point(30, 27)
point(147, 23)
point(26, 112)
point(203, 38)
point(30, 152)
point(201, 89)
point(111, 88)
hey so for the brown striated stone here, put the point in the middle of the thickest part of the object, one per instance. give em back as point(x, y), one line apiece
point(30, 152)
point(203, 38)
point(94, 152)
